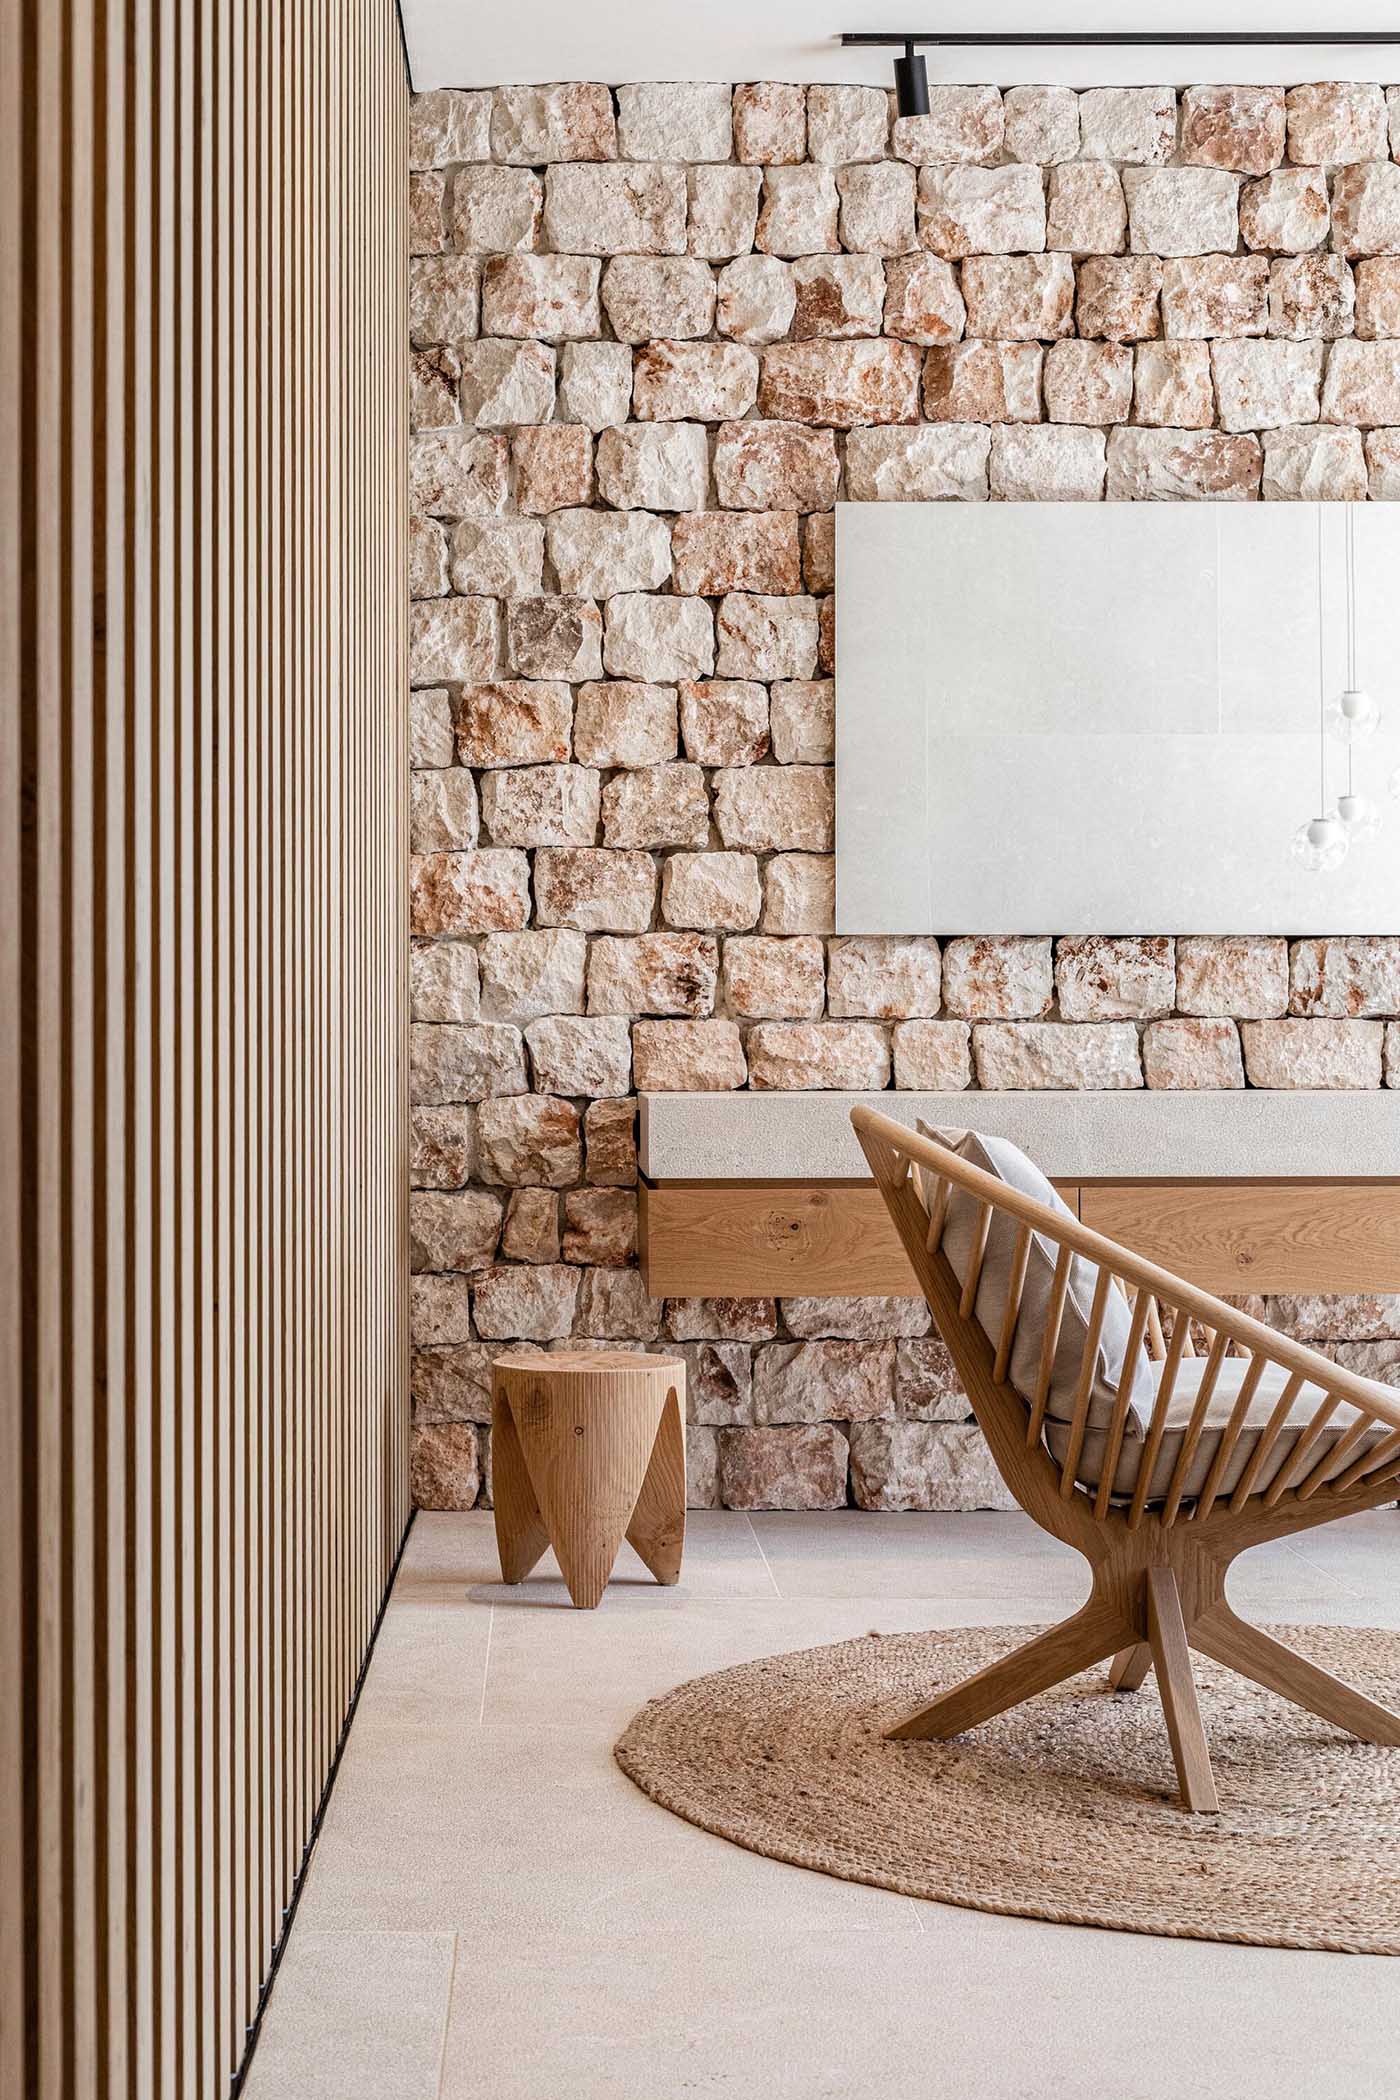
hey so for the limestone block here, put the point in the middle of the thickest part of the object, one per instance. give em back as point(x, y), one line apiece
point(623, 723)
point(769, 809)
point(594, 889)
point(981, 211)
point(1334, 122)
point(724, 721)
point(1181, 1054)
point(549, 296)
point(722, 890)
point(841, 383)
point(443, 814)
point(505, 382)
point(688, 1057)
point(659, 466)
point(1242, 975)
point(671, 381)
point(923, 303)
point(877, 208)
point(1060, 1055)
point(656, 806)
point(1018, 297)
point(799, 893)
point(674, 120)
point(1173, 466)
point(1086, 213)
point(766, 465)
point(766, 978)
point(770, 124)
point(1233, 127)
point(963, 124)
point(526, 974)
point(932, 1056)
point(799, 214)
point(657, 639)
point(570, 1055)
point(763, 636)
point(541, 806)
point(883, 979)
point(647, 296)
point(798, 1468)
point(932, 463)
point(1182, 211)
point(452, 1231)
point(624, 208)
point(1260, 385)
point(595, 384)
point(555, 637)
point(475, 892)
point(654, 973)
point(1132, 124)
point(1286, 213)
point(755, 299)
point(447, 125)
point(597, 553)
point(795, 1056)
point(553, 467)
point(529, 1139)
point(1327, 1054)
point(1047, 463)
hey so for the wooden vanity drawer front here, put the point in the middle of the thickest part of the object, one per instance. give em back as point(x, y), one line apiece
point(1233, 1237)
point(773, 1239)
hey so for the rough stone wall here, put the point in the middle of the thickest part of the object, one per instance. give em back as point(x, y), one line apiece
point(656, 331)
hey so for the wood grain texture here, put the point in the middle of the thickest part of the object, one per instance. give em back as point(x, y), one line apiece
point(764, 1238)
point(1243, 1236)
point(589, 1449)
point(1171, 1656)
point(771, 1239)
point(203, 1440)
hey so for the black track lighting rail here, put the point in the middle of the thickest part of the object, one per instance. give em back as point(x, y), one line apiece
point(1147, 39)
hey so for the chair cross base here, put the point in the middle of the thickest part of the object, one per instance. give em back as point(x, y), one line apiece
point(1148, 1609)
point(1158, 1566)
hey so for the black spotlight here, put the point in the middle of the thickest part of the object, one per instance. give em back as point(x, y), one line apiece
point(911, 83)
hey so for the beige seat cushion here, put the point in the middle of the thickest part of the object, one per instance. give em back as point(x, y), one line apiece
point(996, 1155)
point(1222, 1400)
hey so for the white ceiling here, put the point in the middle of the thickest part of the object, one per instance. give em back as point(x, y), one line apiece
point(465, 43)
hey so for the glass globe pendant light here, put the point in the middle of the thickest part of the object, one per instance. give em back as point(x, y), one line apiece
point(1324, 841)
point(1352, 717)
point(1359, 815)
point(1321, 844)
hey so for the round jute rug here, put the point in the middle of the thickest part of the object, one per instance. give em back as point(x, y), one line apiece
point(1064, 1809)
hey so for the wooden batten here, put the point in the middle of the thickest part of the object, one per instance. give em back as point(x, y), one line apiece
point(203, 1441)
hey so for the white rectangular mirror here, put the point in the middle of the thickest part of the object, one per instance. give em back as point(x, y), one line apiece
point(1103, 718)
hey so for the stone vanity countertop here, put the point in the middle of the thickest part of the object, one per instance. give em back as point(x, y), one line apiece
point(1236, 1135)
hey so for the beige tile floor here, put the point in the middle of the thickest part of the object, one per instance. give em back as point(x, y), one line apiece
point(494, 1911)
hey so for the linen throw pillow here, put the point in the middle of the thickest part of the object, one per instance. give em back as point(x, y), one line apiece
point(1000, 1157)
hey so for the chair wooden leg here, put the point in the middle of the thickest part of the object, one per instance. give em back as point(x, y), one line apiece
point(1258, 1656)
point(1063, 1651)
point(1130, 1667)
point(1166, 1632)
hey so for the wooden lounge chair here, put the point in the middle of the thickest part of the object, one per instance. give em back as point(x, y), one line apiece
point(1157, 1459)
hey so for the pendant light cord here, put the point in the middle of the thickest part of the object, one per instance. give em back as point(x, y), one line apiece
point(1351, 630)
point(1321, 685)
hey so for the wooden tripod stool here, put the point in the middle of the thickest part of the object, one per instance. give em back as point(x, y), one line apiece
point(588, 1448)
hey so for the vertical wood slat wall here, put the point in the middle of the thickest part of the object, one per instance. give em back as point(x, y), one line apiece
point(203, 1475)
